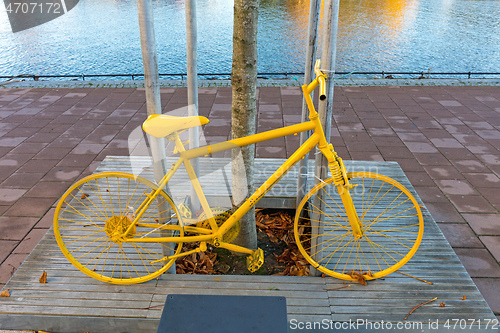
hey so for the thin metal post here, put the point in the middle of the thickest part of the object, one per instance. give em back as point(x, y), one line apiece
point(329, 51)
point(192, 84)
point(312, 44)
point(152, 87)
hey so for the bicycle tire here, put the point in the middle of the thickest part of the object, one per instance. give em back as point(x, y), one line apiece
point(390, 218)
point(91, 220)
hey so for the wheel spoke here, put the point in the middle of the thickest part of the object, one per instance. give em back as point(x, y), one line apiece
point(390, 220)
point(94, 223)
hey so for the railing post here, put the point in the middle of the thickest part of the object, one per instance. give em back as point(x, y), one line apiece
point(314, 9)
point(329, 51)
point(152, 87)
point(192, 84)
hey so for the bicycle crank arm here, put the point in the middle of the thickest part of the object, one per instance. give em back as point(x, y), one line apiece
point(201, 248)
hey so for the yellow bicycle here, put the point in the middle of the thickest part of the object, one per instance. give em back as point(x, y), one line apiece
point(124, 229)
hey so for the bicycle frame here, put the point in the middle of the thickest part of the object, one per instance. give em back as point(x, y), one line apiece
point(215, 235)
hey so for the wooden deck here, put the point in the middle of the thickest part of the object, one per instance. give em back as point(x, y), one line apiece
point(73, 302)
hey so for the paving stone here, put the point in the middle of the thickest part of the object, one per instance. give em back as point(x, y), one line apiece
point(460, 235)
point(11, 141)
point(47, 189)
point(63, 174)
point(47, 220)
point(409, 164)
point(421, 147)
point(431, 159)
point(492, 243)
point(52, 153)
point(443, 172)
point(270, 152)
point(419, 178)
point(450, 186)
point(365, 156)
point(88, 148)
point(10, 265)
point(37, 166)
point(470, 166)
point(15, 228)
point(430, 194)
point(483, 179)
point(471, 204)
point(444, 212)
point(490, 289)
point(6, 247)
point(490, 159)
point(478, 262)
point(76, 160)
point(30, 241)
point(35, 207)
point(10, 195)
point(484, 224)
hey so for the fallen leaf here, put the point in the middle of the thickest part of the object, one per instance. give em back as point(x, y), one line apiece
point(84, 195)
point(356, 275)
point(5, 293)
point(464, 298)
point(443, 304)
point(43, 278)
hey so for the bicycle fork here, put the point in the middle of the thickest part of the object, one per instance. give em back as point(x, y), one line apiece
point(339, 175)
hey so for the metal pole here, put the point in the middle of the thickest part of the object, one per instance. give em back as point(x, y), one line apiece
point(192, 84)
point(315, 7)
point(329, 51)
point(152, 87)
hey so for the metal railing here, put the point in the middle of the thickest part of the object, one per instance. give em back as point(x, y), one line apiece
point(222, 76)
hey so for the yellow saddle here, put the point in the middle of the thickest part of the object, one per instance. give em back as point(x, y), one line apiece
point(161, 125)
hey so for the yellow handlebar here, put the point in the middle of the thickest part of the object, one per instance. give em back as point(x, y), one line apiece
point(322, 80)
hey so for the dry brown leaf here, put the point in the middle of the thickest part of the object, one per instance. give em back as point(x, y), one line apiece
point(260, 225)
point(43, 278)
point(359, 277)
point(5, 293)
point(84, 195)
point(443, 304)
point(464, 298)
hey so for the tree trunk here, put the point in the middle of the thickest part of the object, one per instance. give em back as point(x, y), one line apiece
point(244, 104)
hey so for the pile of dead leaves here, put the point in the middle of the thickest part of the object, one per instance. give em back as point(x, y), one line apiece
point(275, 236)
point(197, 263)
point(278, 226)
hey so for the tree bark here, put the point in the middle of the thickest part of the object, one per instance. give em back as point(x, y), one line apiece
point(243, 110)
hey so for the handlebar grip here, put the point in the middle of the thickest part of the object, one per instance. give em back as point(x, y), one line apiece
point(322, 88)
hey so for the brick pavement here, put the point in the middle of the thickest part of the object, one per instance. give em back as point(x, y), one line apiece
point(446, 139)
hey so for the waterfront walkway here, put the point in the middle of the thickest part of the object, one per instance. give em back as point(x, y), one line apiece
point(446, 139)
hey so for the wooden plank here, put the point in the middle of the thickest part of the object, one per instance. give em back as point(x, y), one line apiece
point(71, 301)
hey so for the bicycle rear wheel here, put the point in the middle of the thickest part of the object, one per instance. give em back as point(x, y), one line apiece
point(91, 222)
point(390, 219)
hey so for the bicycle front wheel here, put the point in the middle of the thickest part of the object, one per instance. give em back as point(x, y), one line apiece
point(389, 217)
point(93, 221)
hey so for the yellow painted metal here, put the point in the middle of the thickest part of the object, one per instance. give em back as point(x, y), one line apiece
point(93, 227)
point(255, 260)
point(122, 228)
point(389, 203)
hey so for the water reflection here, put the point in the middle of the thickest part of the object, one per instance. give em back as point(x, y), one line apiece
point(374, 35)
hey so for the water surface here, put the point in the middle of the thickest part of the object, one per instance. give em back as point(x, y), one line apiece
point(102, 37)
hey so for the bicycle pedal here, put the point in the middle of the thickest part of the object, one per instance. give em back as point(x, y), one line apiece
point(255, 260)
